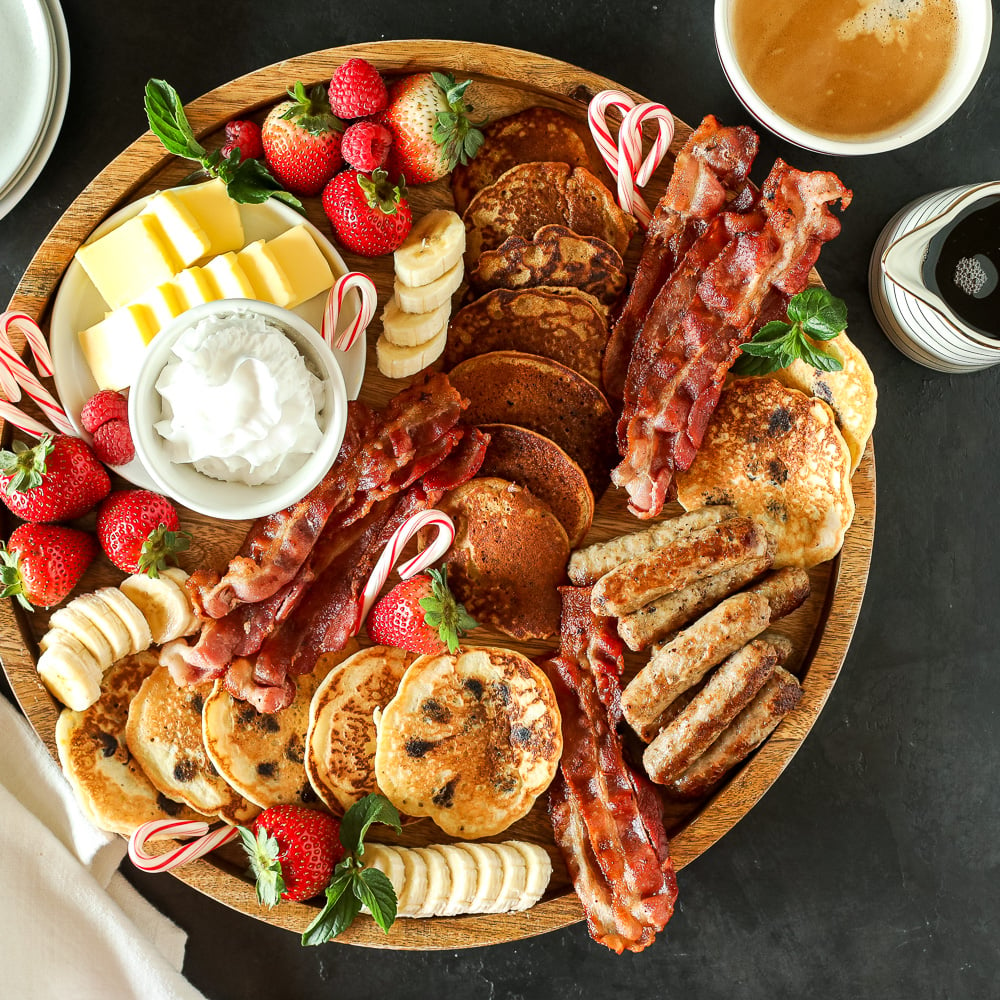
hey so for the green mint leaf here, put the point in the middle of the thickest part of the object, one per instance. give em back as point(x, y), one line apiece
point(289, 199)
point(747, 364)
point(340, 909)
point(822, 315)
point(763, 350)
point(168, 122)
point(820, 359)
point(251, 183)
point(372, 808)
point(375, 890)
point(771, 332)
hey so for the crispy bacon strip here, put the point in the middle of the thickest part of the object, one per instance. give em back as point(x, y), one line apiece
point(687, 345)
point(709, 175)
point(605, 820)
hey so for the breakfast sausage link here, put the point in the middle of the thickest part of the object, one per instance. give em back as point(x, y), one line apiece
point(785, 589)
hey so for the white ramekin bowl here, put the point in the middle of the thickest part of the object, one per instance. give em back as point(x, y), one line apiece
point(214, 497)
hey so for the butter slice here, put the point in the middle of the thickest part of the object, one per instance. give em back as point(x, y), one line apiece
point(115, 347)
point(130, 259)
point(269, 280)
point(227, 277)
point(164, 301)
point(194, 287)
point(189, 241)
point(215, 212)
point(305, 266)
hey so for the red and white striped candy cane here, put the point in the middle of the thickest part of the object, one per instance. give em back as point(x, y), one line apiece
point(334, 304)
point(176, 830)
point(597, 118)
point(17, 375)
point(394, 547)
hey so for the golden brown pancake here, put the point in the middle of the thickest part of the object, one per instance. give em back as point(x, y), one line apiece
point(554, 257)
point(544, 469)
point(508, 557)
point(532, 195)
point(533, 134)
point(164, 734)
point(564, 324)
point(112, 788)
point(340, 747)
point(776, 456)
point(470, 739)
point(513, 388)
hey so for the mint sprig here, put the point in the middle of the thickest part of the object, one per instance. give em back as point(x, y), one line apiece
point(248, 182)
point(814, 314)
point(352, 884)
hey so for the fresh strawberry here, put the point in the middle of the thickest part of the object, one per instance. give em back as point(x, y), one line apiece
point(421, 615)
point(138, 530)
point(101, 407)
point(431, 132)
point(357, 90)
point(369, 215)
point(302, 140)
point(292, 852)
point(244, 136)
point(365, 146)
point(113, 443)
point(57, 479)
point(42, 563)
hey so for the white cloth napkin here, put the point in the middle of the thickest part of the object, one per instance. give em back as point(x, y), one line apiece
point(70, 924)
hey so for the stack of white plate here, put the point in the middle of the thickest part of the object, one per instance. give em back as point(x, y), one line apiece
point(34, 84)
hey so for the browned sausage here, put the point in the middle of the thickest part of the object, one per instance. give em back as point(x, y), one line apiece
point(785, 589)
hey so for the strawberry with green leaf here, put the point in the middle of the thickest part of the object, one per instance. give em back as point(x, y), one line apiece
point(370, 216)
point(42, 563)
point(139, 531)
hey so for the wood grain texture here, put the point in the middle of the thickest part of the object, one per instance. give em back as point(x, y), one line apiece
point(505, 80)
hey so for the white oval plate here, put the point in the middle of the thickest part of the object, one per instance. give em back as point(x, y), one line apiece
point(78, 305)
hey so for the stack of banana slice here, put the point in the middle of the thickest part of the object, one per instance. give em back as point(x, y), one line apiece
point(97, 629)
point(429, 269)
point(445, 880)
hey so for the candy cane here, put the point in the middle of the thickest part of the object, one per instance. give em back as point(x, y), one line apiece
point(176, 829)
point(17, 375)
point(597, 119)
point(16, 416)
point(334, 303)
point(393, 549)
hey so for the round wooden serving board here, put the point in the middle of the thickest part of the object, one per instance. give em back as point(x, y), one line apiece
point(505, 80)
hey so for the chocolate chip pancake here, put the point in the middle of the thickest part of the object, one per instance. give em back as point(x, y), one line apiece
point(470, 739)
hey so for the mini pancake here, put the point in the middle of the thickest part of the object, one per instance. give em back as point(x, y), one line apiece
point(508, 387)
point(532, 195)
point(111, 787)
point(263, 755)
point(340, 746)
point(776, 456)
point(533, 134)
point(544, 469)
point(470, 739)
point(164, 734)
point(554, 256)
point(850, 393)
point(564, 324)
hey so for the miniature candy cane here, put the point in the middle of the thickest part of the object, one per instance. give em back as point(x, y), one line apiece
point(176, 829)
point(334, 303)
point(597, 119)
point(395, 545)
point(16, 416)
point(19, 376)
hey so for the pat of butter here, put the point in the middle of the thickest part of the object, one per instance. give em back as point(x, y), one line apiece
point(189, 241)
point(305, 266)
point(215, 212)
point(164, 301)
point(194, 287)
point(130, 259)
point(228, 279)
point(269, 280)
point(114, 348)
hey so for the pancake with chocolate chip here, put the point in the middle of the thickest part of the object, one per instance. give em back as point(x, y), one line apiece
point(471, 739)
point(164, 734)
point(776, 456)
point(340, 745)
point(110, 785)
point(262, 755)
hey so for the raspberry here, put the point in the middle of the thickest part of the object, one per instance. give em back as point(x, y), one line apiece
point(101, 407)
point(113, 443)
point(246, 136)
point(365, 146)
point(357, 90)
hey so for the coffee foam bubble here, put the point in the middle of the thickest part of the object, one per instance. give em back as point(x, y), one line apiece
point(885, 19)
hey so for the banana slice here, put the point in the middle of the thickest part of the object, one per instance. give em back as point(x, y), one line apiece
point(406, 329)
point(71, 619)
point(414, 890)
point(539, 870)
point(69, 671)
point(424, 298)
point(438, 883)
point(180, 577)
point(106, 621)
point(432, 247)
point(133, 619)
point(402, 362)
point(387, 860)
point(162, 602)
point(515, 878)
point(463, 875)
point(489, 875)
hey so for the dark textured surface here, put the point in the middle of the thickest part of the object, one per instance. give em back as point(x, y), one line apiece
point(871, 868)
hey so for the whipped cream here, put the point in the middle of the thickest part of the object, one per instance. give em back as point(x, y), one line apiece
point(238, 401)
